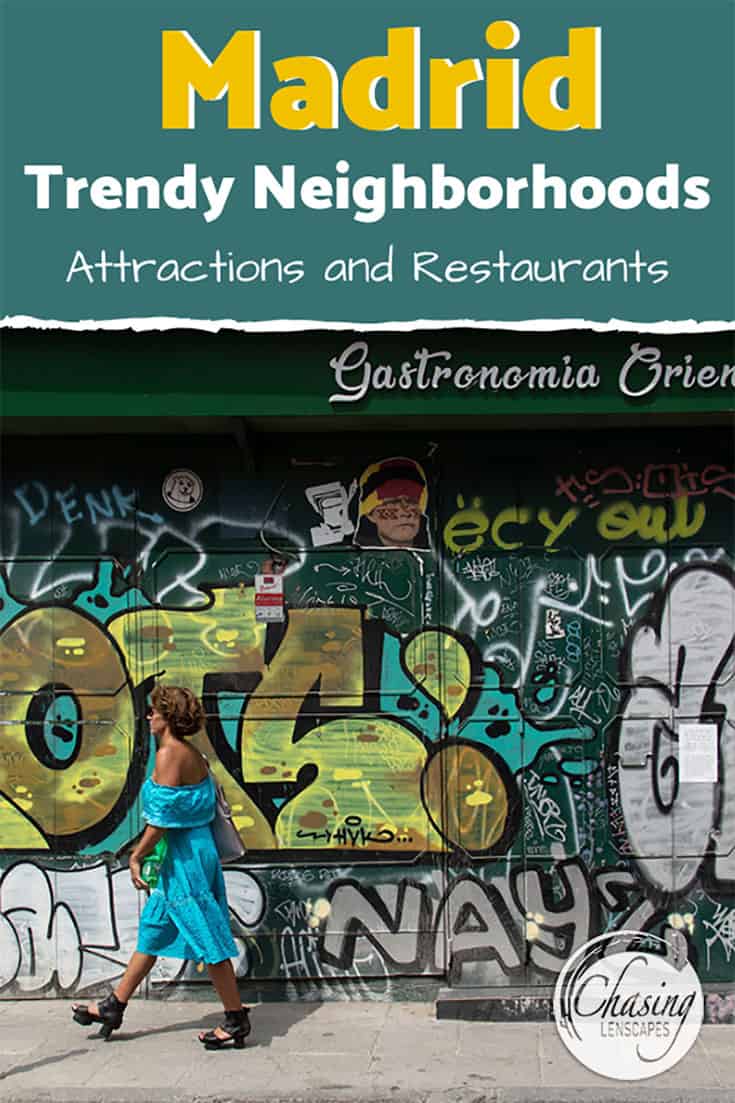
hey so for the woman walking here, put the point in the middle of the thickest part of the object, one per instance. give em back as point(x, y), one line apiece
point(186, 914)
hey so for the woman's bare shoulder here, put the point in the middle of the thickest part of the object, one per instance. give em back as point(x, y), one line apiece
point(168, 766)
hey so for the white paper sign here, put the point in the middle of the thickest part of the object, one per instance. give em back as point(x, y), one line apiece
point(698, 752)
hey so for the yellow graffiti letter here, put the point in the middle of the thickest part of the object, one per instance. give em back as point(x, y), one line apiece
point(465, 530)
point(682, 526)
point(618, 521)
point(510, 516)
point(555, 530)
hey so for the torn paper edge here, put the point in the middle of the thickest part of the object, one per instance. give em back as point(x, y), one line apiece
point(291, 325)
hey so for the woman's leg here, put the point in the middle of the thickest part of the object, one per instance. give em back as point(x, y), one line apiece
point(224, 980)
point(137, 970)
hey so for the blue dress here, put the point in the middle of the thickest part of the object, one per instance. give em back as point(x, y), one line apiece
point(186, 914)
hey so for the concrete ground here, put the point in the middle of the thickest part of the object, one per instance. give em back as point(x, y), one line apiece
point(324, 1051)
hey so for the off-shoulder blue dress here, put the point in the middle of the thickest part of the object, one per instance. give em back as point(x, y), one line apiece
point(186, 914)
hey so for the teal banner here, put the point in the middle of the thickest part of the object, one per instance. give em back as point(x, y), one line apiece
point(392, 162)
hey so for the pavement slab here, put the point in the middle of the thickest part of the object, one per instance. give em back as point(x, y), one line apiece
point(345, 1051)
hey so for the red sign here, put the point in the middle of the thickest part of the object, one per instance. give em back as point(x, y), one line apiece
point(269, 597)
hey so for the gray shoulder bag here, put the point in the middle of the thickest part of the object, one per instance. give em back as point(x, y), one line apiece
point(227, 839)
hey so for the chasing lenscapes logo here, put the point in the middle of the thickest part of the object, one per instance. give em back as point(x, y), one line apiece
point(625, 1008)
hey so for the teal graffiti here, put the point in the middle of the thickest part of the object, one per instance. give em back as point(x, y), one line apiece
point(9, 607)
point(580, 768)
point(102, 602)
point(497, 722)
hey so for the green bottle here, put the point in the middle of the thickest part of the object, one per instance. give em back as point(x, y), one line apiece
point(151, 868)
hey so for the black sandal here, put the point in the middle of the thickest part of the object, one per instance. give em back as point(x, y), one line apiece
point(110, 1013)
point(236, 1026)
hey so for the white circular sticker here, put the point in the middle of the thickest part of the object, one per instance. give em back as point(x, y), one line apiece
point(182, 490)
point(625, 1013)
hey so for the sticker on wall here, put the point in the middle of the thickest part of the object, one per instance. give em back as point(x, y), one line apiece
point(392, 507)
point(182, 490)
point(269, 597)
point(554, 627)
point(331, 502)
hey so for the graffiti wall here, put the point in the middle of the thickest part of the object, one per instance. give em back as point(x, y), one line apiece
point(444, 684)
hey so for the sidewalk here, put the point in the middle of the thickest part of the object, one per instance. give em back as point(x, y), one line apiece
point(324, 1051)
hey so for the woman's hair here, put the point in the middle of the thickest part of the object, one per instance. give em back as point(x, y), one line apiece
point(181, 709)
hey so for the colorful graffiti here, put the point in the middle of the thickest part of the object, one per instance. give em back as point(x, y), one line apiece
point(346, 738)
point(459, 762)
point(471, 528)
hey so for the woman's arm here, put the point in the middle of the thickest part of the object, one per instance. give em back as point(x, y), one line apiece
point(147, 842)
point(145, 845)
point(166, 772)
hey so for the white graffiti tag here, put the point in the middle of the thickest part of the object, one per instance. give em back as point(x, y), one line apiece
point(681, 670)
point(722, 926)
point(71, 930)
